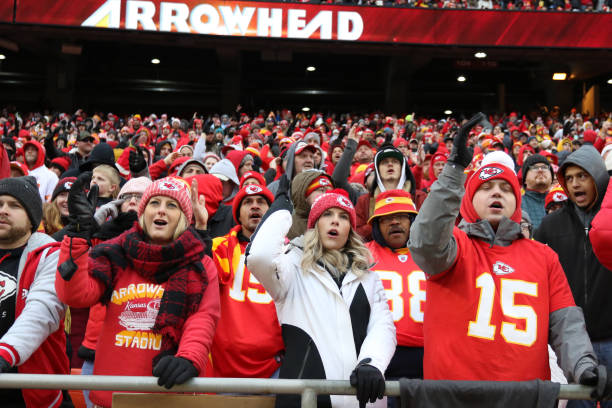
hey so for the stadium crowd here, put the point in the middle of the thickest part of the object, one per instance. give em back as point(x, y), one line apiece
point(326, 246)
point(524, 5)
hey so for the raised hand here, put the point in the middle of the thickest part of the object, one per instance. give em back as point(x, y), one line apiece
point(461, 153)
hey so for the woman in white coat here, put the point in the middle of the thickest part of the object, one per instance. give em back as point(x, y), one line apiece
point(335, 319)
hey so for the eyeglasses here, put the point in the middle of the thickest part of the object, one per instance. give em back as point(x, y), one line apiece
point(129, 196)
point(538, 167)
point(526, 226)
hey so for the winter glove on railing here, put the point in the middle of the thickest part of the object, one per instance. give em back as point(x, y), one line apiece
point(173, 370)
point(111, 210)
point(461, 153)
point(598, 377)
point(369, 382)
point(81, 208)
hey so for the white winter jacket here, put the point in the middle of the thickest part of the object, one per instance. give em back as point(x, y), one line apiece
point(327, 330)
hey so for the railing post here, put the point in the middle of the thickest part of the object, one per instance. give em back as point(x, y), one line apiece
point(309, 398)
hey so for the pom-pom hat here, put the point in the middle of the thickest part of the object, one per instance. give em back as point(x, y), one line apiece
point(337, 198)
point(173, 187)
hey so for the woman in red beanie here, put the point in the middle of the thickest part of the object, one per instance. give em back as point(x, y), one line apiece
point(161, 291)
point(335, 319)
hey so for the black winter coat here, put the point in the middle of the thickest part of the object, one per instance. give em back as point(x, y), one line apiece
point(566, 234)
point(589, 280)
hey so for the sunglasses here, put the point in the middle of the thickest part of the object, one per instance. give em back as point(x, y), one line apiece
point(88, 140)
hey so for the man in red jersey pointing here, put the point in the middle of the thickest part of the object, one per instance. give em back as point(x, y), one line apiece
point(495, 300)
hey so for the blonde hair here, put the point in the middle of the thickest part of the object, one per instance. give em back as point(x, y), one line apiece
point(181, 226)
point(52, 218)
point(334, 260)
point(112, 174)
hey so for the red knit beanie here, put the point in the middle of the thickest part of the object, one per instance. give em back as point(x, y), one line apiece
point(172, 187)
point(250, 190)
point(337, 198)
point(252, 174)
point(493, 171)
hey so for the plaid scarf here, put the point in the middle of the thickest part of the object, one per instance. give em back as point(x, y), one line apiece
point(178, 263)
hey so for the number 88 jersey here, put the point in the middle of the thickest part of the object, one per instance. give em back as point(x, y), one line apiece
point(488, 315)
point(404, 285)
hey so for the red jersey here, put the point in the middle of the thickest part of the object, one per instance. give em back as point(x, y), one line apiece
point(404, 284)
point(128, 335)
point(248, 335)
point(487, 316)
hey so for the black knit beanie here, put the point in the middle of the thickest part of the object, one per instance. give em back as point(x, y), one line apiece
point(25, 190)
point(534, 159)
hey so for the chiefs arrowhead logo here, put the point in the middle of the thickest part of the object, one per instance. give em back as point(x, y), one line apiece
point(8, 286)
point(500, 268)
point(343, 201)
point(169, 186)
point(324, 181)
point(559, 196)
point(253, 189)
point(489, 172)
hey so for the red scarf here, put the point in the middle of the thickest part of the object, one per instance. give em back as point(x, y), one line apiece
point(178, 263)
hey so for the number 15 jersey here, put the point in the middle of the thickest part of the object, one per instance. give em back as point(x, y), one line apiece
point(486, 317)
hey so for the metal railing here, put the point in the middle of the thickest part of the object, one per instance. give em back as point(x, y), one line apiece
point(308, 389)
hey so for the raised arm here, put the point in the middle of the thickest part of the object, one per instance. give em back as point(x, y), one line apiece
point(342, 170)
point(432, 244)
point(263, 255)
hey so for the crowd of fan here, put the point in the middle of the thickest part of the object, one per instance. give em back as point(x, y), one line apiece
point(540, 5)
point(227, 161)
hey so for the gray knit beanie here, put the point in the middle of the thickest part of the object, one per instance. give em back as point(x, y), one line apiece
point(25, 190)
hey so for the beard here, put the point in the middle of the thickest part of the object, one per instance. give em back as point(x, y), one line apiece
point(540, 183)
point(13, 234)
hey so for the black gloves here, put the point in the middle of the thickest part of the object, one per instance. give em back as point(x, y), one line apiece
point(461, 153)
point(81, 208)
point(81, 221)
point(599, 378)
point(137, 160)
point(369, 382)
point(589, 377)
point(173, 370)
point(5, 366)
